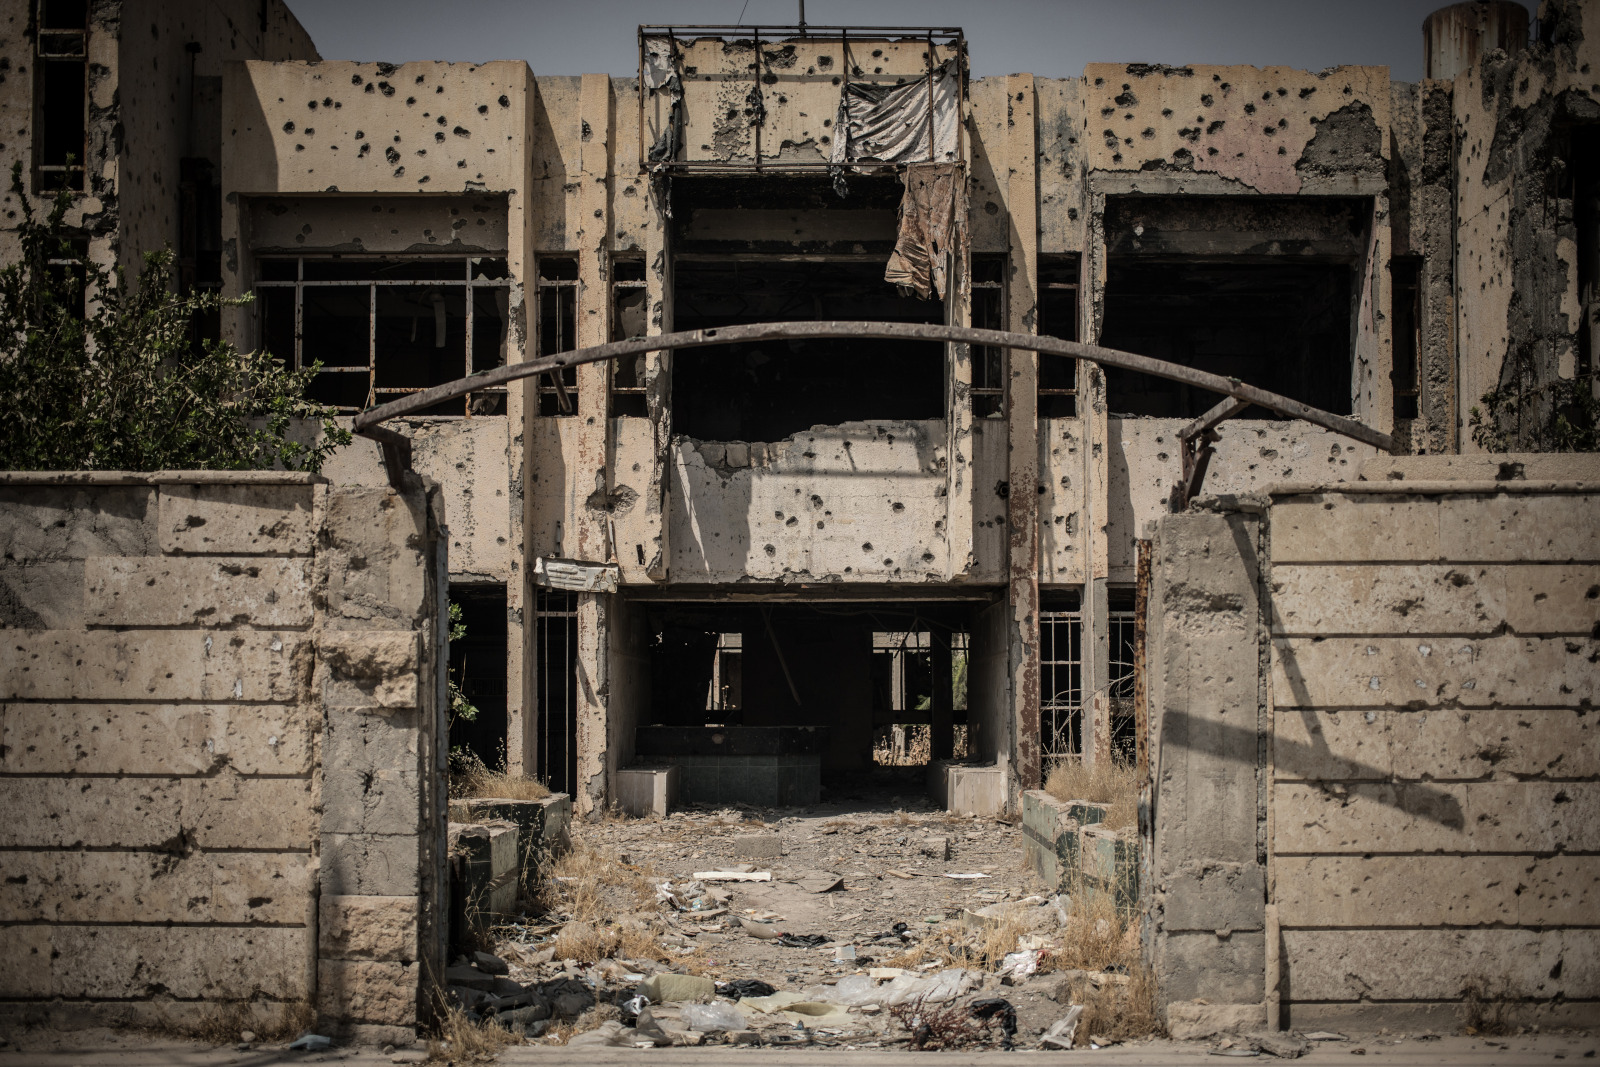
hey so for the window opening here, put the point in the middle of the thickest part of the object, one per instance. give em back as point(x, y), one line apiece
point(1058, 317)
point(556, 681)
point(1061, 683)
point(727, 691)
point(1584, 169)
point(61, 97)
point(766, 391)
point(558, 332)
point(629, 318)
point(1283, 326)
point(1405, 276)
point(384, 328)
point(478, 665)
point(988, 313)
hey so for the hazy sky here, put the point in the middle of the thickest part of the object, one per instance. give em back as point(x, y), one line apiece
point(1053, 38)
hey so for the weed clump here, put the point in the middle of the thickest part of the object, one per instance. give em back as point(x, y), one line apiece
point(1113, 783)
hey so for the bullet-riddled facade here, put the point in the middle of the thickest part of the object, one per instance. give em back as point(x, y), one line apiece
point(814, 542)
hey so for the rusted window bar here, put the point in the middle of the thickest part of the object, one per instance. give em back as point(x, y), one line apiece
point(933, 156)
point(886, 331)
point(761, 100)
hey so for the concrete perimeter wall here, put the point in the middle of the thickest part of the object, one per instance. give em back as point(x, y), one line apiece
point(219, 750)
point(1435, 803)
point(1392, 802)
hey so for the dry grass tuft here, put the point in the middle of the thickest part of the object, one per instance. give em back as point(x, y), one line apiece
point(1115, 784)
point(460, 1040)
point(1121, 1011)
point(1097, 936)
point(471, 777)
point(221, 1024)
point(589, 1020)
point(1485, 1010)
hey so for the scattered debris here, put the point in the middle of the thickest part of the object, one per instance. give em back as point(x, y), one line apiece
point(733, 876)
point(1061, 1033)
point(310, 1043)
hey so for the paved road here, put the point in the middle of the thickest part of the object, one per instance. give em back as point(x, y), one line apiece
point(1377, 1052)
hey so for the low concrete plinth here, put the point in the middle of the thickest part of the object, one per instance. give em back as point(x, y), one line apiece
point(484, 873)
point(1072, 851)
point(647, 790)
point(543, 826)
point(968, 788)
point(766, 781)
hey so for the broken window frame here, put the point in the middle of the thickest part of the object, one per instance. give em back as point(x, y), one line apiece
point(628, 397)
point(726, 692)
point(1061, 708)
point(1058, 402)
point(472, 403)
point(557, 390)
point(57, 47)
point(988, 312)
point(1405, 368)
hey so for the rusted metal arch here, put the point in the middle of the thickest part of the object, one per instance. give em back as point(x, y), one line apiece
point(397, 447)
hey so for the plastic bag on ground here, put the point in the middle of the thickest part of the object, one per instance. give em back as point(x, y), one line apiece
point(855, 990)
point(932, 989)
point(664, 987)
point(1020, 964)
point(718, 1016)
point(744, 987)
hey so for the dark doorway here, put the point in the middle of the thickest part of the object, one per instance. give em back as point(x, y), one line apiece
point(1282, 326)
point(478, 668)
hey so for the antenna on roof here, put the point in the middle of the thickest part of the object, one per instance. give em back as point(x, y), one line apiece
point(802, 18)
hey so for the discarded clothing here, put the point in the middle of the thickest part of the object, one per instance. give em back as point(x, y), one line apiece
point(933, 230)
point(804, 940)
point(998, 1009)
point(744, 987)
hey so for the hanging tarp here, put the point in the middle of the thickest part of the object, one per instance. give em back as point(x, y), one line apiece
point(891, 123)
point(933, 227)
point(661, 73)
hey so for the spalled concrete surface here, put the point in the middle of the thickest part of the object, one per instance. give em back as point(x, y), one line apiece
point(233, 714)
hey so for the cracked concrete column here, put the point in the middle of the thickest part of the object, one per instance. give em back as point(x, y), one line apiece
point(1022, 437)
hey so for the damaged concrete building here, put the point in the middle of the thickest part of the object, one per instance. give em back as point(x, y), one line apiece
point(725, 573)
point(792, 540)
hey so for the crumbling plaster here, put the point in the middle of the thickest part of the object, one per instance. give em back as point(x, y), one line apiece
point(1516, 258)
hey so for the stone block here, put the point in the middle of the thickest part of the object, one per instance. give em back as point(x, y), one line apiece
point(372, 563)
point(184, 962)
point(1437, 890)
point(158, 887)
point(1193, 1020)
point(1518, 527)
point(1432, 671)
point(69, 522)
point(154, 739)
point(185, 665)
point(1228, 969)
point(1433, 964)
point(1553, 598)
point(1215, 896)
point(645, 791)
point(221, 812)
point(365, 991)
point(1476, 743)
point(44, 595)
point(371, 864)
point(542, 825)
point(758, 846)
point(368, 668)
point(251, 519)
point(1508, 817)
point(197, 591)
point(368, 928)
point(1332, 745)
point(485, 881)
point(371, 774)
point(1108, 861)
point(1350, 528)
point(971, 790)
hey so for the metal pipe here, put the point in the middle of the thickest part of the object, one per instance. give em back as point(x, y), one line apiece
point(883, 331)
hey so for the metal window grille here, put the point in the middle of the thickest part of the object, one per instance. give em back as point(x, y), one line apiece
point(629, 318)
point(558, 332)
point(1405, 278)
point(726, 690)
point(988, 313)
point(555, 615)
point(383, 327)
point(61, 96)
point(1061, 683)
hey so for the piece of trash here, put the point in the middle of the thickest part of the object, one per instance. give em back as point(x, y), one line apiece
point(765, 931)
point(718, 1015)
point(635, 1005)
point(310, 1043)
point(740, 988)
point(1283, 1046)
point(1325, 1035)
point(733, 876)
point(998, 1009)
point(898, 874)
point(971, 874)
point(490, 964)
point(1231, 1051)
point(820, 882)
point(1063, 1030)
point(845, 954)
point(667, 986)
point(1019, 964)
point(803, 940)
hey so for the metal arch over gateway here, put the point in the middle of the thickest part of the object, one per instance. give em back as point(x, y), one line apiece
point(1196, 437)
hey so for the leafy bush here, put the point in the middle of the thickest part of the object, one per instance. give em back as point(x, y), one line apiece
point(99, 375)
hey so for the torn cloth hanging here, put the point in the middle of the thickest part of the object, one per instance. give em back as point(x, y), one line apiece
point(933, 221)
point(891, 123)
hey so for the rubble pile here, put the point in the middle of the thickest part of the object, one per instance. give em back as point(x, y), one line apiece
point(809, 927)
